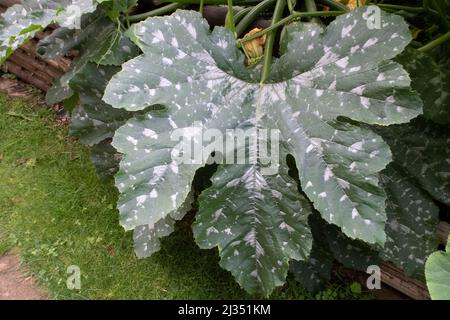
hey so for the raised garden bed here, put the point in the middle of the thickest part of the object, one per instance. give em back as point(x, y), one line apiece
point(31, 68)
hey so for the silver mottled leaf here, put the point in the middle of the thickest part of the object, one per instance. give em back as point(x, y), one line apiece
point(106, 160)
point(331, 244)
point(99, 42)
point(315, 272)
point(147, 237)
point(20, 22)
point(93, 120)
point(200, 77)
point(432, 80)
point(258, 222)
point(412, 222)
point(420, 149)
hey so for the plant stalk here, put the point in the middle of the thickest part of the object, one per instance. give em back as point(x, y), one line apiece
point(393, 8)
point(277, 14)
point(291, 5)
point(230, 18)
point(441, 13)
point(310, 5)
point(241, 14)
point(335, 5)
point(252, 15)
point(202, 4)
point(156, 12)
point(435, 43)
point(399, 7)
point(214, 2)
point(288, 19)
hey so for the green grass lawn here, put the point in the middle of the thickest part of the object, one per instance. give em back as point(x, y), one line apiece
point(54, 213)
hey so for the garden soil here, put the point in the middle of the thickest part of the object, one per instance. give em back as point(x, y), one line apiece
point(14, 283)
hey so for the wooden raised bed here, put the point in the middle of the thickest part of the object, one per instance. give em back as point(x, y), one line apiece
point(26, 64)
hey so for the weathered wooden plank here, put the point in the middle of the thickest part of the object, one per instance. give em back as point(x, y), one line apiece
point(36, 66)
point(443, 232)
point(61, 64)
point(26, 76)
point(396, 278)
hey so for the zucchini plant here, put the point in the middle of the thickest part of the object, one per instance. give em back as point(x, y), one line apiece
point(437, 271)
point(359, 104)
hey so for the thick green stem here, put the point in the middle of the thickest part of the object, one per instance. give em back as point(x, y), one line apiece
point(335, 5)
point(215, 2)
point(436, 42)
point(230, 19)
point(241, 15)
point(127, 21)
point(277, 14)
point(310, 5)
point(288, 19)
point(291, 5)
point(252, 15)
point(202, 4)
point(157, 12)
point(441, 13)
point(393, 8)
point(399, 7)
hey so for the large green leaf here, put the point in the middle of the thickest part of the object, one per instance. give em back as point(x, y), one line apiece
point(258, 222)
point(101, 41)
point(115, 7)
point(147, 237)
point(200, 77)
point(20, 22)
point(437, 272)
point(410, 228)
point(412, 222)
point(62, 40)
point(93, 120)
point(331, 244)
point(151, 183)
point(353, 254)
point(420, 149)
point(432, 80)
point(314, 273)
point(106, 160)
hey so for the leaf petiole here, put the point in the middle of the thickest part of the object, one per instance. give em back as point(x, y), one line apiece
point(252, 15)
point(156, 12)
point(214, 2)
point(435, 43)
point(241, 14)
point(229, 21)
point(277, 14)
point(310, 5)
point(409, 9)
point(441, 14)
point(202, 4)
point(335, 5)
point(295, 15)
point(400, 7)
